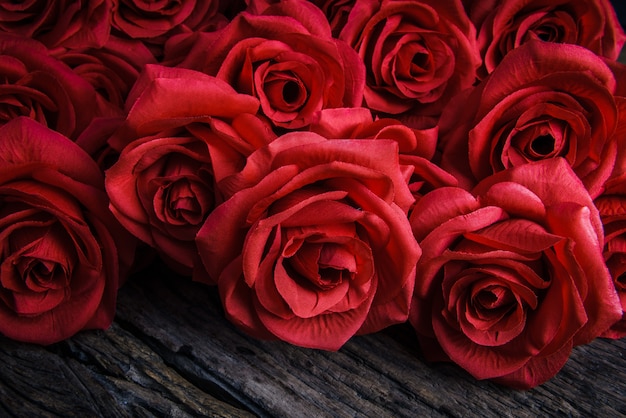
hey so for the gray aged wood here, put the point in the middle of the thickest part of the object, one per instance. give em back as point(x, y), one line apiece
point(170, 352)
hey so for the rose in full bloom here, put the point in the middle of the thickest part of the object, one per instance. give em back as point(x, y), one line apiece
point(63, 255)
point(184, 131)
point(512, 275)
point(545, 100)
point(313, 245)
point(417, 54)
point(505, 25)
point(39, 86)
point(66, 23)
point(287, 58)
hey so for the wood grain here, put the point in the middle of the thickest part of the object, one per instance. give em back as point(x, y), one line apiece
point(170, 352)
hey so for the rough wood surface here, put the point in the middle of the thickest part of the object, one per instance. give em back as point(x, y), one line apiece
point(170, 352)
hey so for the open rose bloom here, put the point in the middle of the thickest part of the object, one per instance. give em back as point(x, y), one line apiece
point(287, 58)
point(331, 167)
point(543, 101)
point(314, 245)
point(512, 275)
point(505, 25)
point(417, 55)
point(162, 187)
point(63, 254)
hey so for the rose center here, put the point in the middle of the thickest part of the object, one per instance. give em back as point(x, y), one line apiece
point(182, 202)
point(494, 299)
point(543, 144)
point(43, 271)
point(329, 277)
point(324, 265)
point(291, 92)
point(46, 261)
point(285, 91)
point(547, 33)
point(420, 61)
point(620, 282)
point(537, 140)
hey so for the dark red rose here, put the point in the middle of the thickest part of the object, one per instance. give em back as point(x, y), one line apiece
point(417, 54)
point(71, 24)
point(184, 131)
point(612, 208)
point(39, 86)
point(314, 245)
point(337, 12)
point(619, 71)
point(505, 25)
point(112, 69)
point(95, 140)
point(545, 100)
point(63, 255)
point(153, 22)
point(512, 275)
point(287, 58)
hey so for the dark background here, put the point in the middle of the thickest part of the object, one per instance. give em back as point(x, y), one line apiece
point(620, 8)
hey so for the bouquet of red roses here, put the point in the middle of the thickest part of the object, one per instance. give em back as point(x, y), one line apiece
point(333, 167)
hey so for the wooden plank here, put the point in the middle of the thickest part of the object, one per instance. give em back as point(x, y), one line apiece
point(98, 374)
point(170, 352)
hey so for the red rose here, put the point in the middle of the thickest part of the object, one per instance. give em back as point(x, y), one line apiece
point(314, 246)
point(63, 254)
point(95, 140)
point(417, 147)
point(337, 12)
point(184, 131)
point(505, 25)
point(512, 275)
point(37, 85)
point(285, 57)
point(417, 54)
point(619, 72)
point(154, 22)
point(612, 208)
point(70, 24)
point(544, 100)
point(112, 69)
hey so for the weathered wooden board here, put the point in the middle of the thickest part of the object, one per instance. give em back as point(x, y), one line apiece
point(170, 352)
